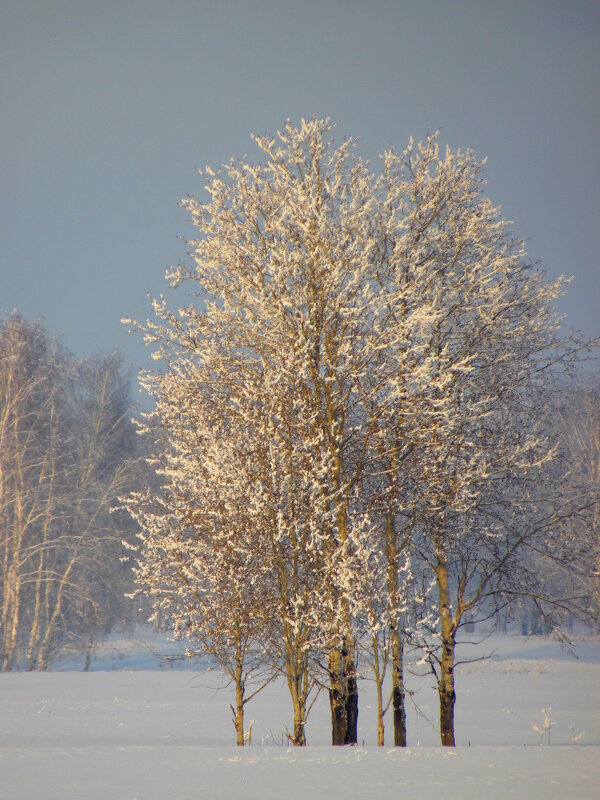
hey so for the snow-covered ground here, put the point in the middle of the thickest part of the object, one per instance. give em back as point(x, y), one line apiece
point(159, 733)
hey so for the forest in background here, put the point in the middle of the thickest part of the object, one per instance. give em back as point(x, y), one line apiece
point(68, 450)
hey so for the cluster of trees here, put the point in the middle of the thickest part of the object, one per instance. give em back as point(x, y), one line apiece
point(352, 425)
point(67, 452)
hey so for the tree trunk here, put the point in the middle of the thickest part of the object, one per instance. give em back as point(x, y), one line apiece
point(446, 679)
point(299, 739)
point(351, 694)
point(343, 696)
point(447, 700)
point(12, 627)
point(297, 681)
point(35, 624)
point(337, 700)
point(89, 650)
point(379, 688)
point(239, 713)
point(48, 642)
point(298, 696)
point(398, 709)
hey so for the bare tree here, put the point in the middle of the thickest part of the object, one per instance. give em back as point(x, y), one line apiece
point(65, 456)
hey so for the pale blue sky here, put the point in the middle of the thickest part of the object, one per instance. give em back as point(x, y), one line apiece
point(107, 108)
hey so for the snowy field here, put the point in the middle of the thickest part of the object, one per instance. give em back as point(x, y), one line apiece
point(129, 729)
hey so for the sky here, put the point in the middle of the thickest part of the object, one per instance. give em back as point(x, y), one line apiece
point(108, 108)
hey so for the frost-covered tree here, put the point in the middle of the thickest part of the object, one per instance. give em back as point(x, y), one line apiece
point(478, 455)
point(284, 258)
point(372, 350)
point(283, 509)
point(203, 562)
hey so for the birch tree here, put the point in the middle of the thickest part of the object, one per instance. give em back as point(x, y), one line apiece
point(65, 456)
point(26, 471)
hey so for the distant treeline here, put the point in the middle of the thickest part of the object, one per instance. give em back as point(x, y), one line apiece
point(68, 450)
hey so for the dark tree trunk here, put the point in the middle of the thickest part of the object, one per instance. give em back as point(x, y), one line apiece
point(448, 633)
point(351, 698)
point(447, 700)
point(89, 650)
point(337, 700)
point(343, 697)
point(398, 709)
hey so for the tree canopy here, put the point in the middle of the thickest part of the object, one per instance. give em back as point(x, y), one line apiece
point(350, 414)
